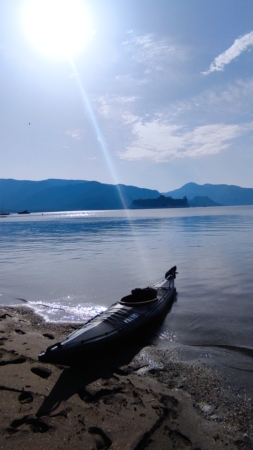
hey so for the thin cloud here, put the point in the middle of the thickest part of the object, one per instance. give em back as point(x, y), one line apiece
point(239, 46)
point(75, 134)
point(216, 102)
point(235, 99)
point(159, 141)
point(123, 99)
point(106, 105)
point(154, 54)
point(146, 49)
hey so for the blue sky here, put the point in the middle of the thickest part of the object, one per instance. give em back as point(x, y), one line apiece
point(158, 93)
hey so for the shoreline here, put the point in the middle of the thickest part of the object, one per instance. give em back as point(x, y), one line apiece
point(142, 398)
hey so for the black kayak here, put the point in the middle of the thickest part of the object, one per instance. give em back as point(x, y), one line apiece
point(124, 320)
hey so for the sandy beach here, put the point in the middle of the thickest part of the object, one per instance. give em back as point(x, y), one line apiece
point(139, 398)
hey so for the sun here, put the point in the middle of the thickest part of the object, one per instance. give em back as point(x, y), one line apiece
point(59, 28)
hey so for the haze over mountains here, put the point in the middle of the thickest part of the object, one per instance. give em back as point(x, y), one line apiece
point(219, 193)
point(73, 195)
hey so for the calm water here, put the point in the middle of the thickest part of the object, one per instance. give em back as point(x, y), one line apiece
point(69, 266)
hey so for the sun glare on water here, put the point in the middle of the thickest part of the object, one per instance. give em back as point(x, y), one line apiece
point(59, 28)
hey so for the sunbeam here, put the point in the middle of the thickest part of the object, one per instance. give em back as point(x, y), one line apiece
point(110, 165)
point(98, 134)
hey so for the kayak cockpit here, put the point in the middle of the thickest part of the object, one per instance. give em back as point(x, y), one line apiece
point(140, 296)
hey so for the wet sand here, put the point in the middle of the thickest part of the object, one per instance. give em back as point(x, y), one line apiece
point(138, 398)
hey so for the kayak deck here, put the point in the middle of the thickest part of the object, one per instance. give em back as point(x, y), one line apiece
point(122, 320)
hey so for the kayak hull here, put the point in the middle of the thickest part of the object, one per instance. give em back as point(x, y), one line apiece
point(125, 320)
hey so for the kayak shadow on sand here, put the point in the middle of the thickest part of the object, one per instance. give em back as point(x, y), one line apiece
point(73, 380)
point(105, 364)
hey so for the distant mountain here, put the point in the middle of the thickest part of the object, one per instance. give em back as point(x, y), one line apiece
point(67, 195)
point(70, 195)
point(221, 193)
point(202, 201)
